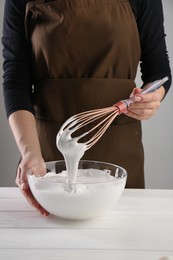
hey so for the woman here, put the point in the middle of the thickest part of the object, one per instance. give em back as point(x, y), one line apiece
point(63, 57)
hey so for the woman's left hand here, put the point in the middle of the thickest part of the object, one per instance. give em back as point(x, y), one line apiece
point(145, 105)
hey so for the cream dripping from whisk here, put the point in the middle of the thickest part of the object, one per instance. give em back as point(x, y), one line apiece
point(72, 152)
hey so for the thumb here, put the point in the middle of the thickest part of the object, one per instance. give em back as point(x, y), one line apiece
point(23, 179)
point(135, 92)
point(134, 95)
point(24, 186)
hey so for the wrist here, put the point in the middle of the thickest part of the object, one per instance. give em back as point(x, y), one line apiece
point(29, 150)
point(31, 158)
point(161, 92)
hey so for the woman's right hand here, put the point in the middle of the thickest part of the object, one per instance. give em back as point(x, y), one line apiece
point(26, 163)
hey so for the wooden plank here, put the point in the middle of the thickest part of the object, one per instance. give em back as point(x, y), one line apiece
point(148, 193)
point(10, 192)
point(120, 239)
point(53, 254)
point(113, 221)
point(126, 203)
point(15, 204)
point(130, 193)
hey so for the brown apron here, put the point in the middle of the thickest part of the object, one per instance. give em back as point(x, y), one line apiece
point(85, 56)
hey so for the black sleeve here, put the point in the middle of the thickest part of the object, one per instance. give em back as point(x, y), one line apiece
point(154, 58)
point(17, 82)
point(17, 85)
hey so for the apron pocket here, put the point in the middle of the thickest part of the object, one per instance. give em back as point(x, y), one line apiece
point(59, 99)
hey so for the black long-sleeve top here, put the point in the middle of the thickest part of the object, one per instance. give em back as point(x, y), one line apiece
point(17, 66)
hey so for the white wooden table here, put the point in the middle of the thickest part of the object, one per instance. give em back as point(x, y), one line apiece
point(139, 227)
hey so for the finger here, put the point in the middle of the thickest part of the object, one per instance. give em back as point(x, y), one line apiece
point(18, 177)
point(138, 116)
point(149, 97)
point(145, 105)
point(135, 92)
point(141, 114)
point(31, 200)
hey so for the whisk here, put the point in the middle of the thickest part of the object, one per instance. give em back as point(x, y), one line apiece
point(108, 114)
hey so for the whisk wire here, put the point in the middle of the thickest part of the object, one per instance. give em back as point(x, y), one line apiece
point(85, 118)
point(107, 121)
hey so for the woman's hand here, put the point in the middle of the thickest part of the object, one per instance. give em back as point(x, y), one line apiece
point(25, 165)
point(145, 105)
point(24, 129)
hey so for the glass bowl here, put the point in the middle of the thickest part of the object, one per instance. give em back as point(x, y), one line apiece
point(98, 187)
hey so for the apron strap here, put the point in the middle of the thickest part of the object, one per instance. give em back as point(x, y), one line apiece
point(40, 1)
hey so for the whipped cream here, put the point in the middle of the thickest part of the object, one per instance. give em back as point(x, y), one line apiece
point(72, 152)
point(93, 194)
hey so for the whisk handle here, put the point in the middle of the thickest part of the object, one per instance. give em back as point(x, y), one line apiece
point(124, 104)
point(154, 86)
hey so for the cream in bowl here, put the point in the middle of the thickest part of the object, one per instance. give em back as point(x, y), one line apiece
point(97, 188)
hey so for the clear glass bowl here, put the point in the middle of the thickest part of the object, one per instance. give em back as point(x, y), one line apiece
point(98, 187)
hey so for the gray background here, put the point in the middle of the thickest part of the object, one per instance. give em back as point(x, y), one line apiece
point(157, 132)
